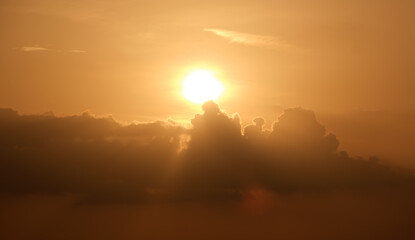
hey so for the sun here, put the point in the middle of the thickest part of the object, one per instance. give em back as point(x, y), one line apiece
point(201, 86)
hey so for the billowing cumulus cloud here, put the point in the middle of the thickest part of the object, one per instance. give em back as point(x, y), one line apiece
point(215, 158)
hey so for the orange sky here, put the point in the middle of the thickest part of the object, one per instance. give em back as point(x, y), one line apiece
point(333, 81)
point(128, 59)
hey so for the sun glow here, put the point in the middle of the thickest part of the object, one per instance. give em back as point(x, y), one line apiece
point(201, 86)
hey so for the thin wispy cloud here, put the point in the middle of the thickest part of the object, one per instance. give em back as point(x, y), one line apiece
point(39, 49)
point(249, 39)
point(33, 49)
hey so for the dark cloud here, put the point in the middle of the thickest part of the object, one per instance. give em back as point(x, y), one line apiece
point(95, 157)
point(214, 159)
point(255, 131)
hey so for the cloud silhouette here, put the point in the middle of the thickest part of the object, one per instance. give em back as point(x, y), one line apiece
point(213, 159)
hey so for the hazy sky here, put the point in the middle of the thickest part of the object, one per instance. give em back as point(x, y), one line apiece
point(337, 77)
point(128, 58)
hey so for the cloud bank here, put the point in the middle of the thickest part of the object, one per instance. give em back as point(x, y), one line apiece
point(216, 158)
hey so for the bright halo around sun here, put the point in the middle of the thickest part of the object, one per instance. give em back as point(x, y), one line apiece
point(201, 86)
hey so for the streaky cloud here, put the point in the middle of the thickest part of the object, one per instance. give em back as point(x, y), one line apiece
point(38, 49)
point(33, 49)
point(249, 39)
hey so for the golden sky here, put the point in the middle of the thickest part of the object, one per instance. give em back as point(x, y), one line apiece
point(129, 58)
point(121, 57)
point(321, 86)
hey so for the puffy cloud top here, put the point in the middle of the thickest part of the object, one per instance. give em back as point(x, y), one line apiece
point(103, 160)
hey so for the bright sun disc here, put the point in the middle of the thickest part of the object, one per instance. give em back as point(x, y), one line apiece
point(201, 86)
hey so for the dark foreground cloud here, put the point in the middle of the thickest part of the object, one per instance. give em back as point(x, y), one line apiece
point(215, 158)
